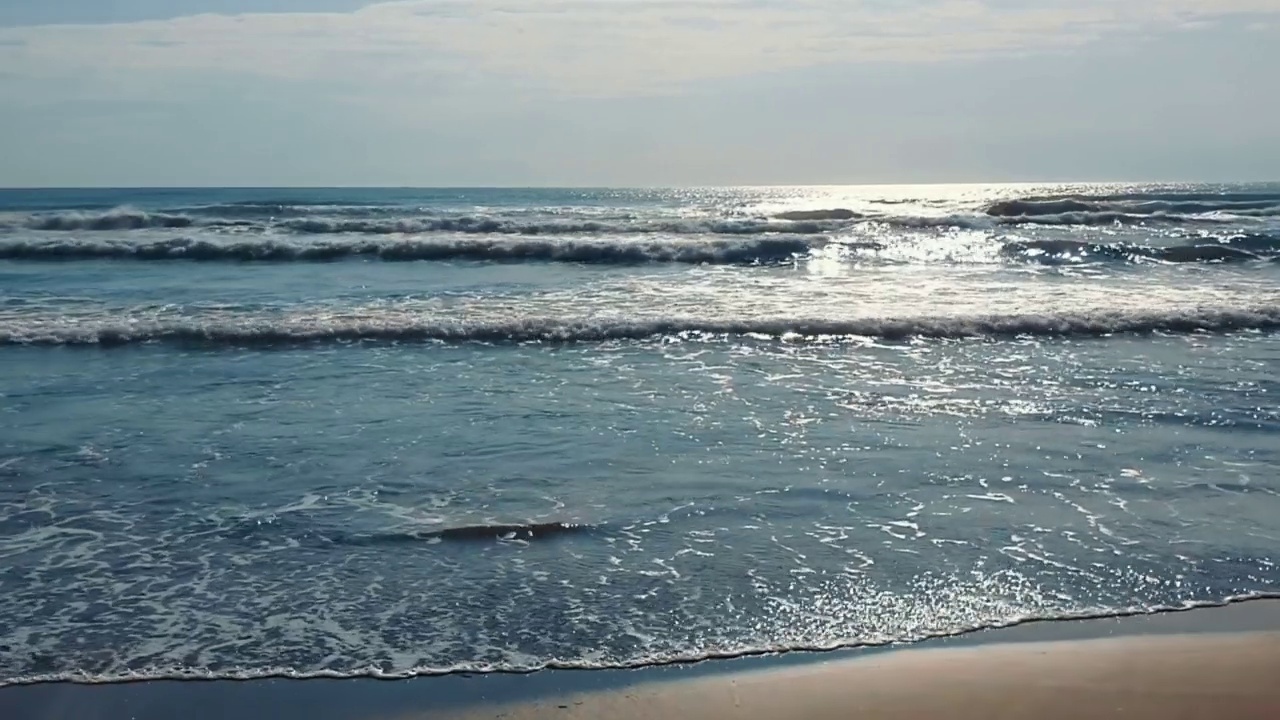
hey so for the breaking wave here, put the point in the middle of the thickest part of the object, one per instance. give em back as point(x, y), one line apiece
point(259, 331)
point(115, 219)
point(773, 249)
point(131, 219)
point(770, 249)
point(641, 659)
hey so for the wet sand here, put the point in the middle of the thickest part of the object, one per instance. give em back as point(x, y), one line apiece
point(1171, 677)
point(1209, 663)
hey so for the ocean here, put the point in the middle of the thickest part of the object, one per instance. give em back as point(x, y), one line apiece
point(396, 432)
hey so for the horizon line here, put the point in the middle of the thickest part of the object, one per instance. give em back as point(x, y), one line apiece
point(643, 186)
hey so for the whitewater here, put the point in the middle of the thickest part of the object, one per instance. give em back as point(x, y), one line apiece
point(336, 432)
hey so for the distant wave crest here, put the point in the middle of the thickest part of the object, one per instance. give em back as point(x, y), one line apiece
point(338, 219)
point(1181, 206)
point(267, 332)
point(1086, 218)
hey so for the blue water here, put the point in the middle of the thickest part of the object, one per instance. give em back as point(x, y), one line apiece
point(261, 432)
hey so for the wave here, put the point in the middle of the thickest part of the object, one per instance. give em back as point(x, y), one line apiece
point(488, 225)
point(1110, 217)
point(713, 251)
point(355, 220)
point(479, 533)
point(260, 332)
point(1253, 242)
point(1080, 218)
point(267, 211)
point(1177, 204)
point(1072, 249)
point(132, 219)
point(1032, 208)
point(1259, 195)
point(773, 249)
point(641, 659)
point(116, 219)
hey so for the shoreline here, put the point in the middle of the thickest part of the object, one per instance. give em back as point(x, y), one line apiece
point(1165, 677)
point(1242, 625)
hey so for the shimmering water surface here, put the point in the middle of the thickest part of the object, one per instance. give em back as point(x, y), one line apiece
point(395, 432)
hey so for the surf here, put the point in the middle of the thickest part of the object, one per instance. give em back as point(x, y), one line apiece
point(719, 251)
point(265, 332)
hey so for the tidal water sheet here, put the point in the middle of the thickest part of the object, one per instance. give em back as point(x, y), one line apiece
point(248, 433)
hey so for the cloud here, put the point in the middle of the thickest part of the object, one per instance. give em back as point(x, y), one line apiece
point(583, 47)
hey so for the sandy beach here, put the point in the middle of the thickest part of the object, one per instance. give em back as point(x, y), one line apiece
point(1176, 677)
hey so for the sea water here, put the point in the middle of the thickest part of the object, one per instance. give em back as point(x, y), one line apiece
point(336, 432)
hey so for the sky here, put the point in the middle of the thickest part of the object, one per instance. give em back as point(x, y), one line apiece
point(635, 92)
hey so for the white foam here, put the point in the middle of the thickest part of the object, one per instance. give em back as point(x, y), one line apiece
point(410, 328)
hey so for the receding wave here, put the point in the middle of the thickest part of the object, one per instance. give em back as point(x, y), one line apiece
point(640, 659)
point(754, 250)
point(255, 331)
point(1054, 250)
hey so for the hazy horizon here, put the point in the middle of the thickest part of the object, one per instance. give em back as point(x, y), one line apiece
point(635, 93)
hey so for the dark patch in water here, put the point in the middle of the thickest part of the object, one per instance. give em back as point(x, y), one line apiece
point(502, 531)
point(834, 214)
point(1056, 249)
point(1202, 253)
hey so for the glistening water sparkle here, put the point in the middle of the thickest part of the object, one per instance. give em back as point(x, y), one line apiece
point(396, 432)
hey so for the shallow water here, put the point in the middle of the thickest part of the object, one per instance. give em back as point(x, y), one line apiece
point(239, 429)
